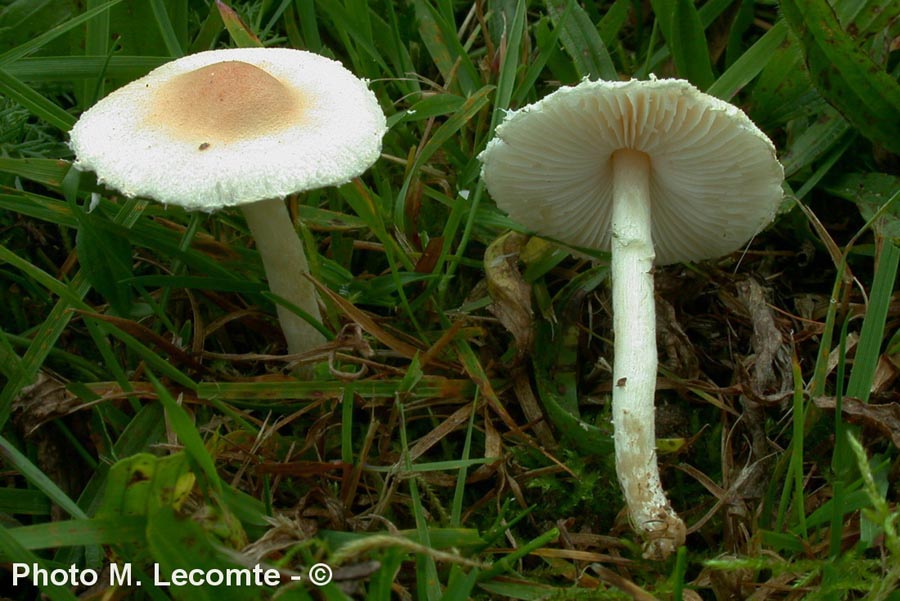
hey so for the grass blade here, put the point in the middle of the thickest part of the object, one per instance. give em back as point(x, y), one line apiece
point(166, 29)
point(509, 68)
point(582, 40)
point(12, 551)
point(441, 136)
point(40, 106)
point(71, 68)
point(34, 475)
point(687, 43)
point(241, 34)
point(868, 349)
point(96, 43)
point(852, 82)
point(49, 172)
point(80, 532)
point(440, 38)
point(188, 435)
point(53, 326)
point(750, 64)
point(41, 40)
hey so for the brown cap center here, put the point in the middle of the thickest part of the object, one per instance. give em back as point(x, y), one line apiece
point(224, 102)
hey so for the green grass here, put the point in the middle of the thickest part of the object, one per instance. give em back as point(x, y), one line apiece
point(148, 415)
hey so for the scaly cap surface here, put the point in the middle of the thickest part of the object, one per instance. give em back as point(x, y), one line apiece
point(228, 127)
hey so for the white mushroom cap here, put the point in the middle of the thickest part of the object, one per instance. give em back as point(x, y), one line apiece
point(715, 180)
point(228, 127)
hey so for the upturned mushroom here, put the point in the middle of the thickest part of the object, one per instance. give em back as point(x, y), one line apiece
point(239, 127)
point(656, 172)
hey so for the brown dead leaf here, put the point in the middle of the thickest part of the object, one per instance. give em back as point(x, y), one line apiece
point(428, 261)
point(454, 421)
point(402, 347)
point(510, 292)
point(678, 354)
point(202, 241)
point(883, 418)
point(731, 584)
point(772, 378)
point(46, 399)
point(885, 374)
point(178, 356)
point(532, 408)
point(493, 449)
point(577, 555)
point(892, 353)
point(284, 533)
point(622, 583)
point(837, 256)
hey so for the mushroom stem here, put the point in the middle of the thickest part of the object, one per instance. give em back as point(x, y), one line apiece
point(285, 263)
point(634, 369)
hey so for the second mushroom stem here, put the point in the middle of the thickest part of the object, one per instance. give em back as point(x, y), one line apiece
point(635, 361)
point(286, 268)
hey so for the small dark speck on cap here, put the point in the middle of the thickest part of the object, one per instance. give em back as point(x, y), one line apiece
point(204, 146)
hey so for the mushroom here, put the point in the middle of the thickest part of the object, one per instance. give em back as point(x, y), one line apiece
point(655, 172)
point(239, 127)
